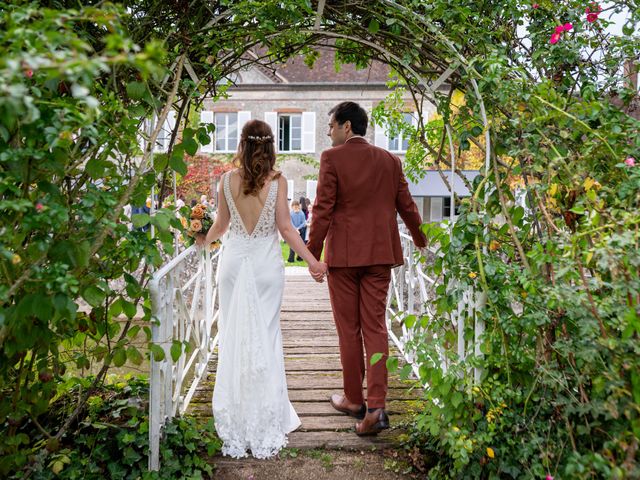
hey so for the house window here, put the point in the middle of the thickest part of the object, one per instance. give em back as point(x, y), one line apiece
point(446, 208)
point(163, 138)
point(164, 134)
point(400, 143)
point(226, 133)
point(290, 133)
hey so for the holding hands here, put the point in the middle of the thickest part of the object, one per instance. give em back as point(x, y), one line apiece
point(318, 270)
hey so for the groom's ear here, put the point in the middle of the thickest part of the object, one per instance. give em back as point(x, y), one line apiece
point(346, 124)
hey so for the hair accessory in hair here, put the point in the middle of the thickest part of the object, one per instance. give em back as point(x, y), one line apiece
point(258, 139)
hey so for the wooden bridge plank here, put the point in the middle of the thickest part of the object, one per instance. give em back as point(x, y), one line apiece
point(313, 369)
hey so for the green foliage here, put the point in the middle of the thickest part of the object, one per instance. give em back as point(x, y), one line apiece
point(74, 274)
point(112, 439)
point(555, 267)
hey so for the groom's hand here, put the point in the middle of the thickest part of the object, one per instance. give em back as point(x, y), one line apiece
point(318, 271)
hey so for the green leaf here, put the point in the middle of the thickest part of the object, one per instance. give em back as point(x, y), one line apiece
point(579, 209)
point(133, 331)
point(160, 161)
point(374, 26)
point(140, 219)
point(375, 358)
point(410, 321)
point(135, 90)
point(190, 146)
point(405, 372)
point(392, 364)
point(94, 296)
point(176, 161)
point(518, 213)
point(42, 307)
point(129, 308)
point(116, 307)
point(160, 220)
point(157, 351)
point(134, 355)
point(119, 357)
point(456, 399)
point(176, 350)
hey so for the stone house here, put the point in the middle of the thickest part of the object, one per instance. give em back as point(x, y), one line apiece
point(295, 101)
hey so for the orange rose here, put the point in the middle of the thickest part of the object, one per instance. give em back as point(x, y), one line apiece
point(198, 212)
point(196, 225)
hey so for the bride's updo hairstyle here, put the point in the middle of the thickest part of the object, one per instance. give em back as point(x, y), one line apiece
point(256, 156)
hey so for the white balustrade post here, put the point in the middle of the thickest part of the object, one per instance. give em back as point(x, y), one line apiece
point(155, 388)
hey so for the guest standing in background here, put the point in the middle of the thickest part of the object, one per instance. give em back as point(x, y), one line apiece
point(299, 222)
point(309, 219)
point(304, 206)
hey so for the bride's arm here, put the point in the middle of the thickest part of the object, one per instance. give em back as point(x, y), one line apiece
point(223, 218)
point(288, 231)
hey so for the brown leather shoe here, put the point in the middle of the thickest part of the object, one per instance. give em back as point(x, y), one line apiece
point(373, 423)
point(341, 404)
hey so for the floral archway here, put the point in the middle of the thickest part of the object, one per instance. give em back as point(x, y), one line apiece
point(547, 97)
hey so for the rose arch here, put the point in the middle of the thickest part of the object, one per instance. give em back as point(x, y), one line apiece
point(427, 64)
point(521, 324)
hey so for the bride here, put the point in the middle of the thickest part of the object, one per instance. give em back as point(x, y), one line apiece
point(251, 406)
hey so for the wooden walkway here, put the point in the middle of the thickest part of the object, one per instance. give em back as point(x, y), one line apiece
point(313, 369)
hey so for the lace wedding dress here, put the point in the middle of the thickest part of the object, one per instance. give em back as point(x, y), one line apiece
point(251, 406)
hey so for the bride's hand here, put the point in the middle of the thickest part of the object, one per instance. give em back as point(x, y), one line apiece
point(201, 239)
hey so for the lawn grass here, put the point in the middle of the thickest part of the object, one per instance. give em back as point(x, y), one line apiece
point(285, 255)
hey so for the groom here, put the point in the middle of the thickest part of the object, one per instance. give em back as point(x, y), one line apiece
point(361, 189)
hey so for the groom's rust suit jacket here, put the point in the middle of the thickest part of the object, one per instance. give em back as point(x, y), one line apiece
point(361, 188)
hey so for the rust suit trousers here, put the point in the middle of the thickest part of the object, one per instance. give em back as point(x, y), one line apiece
point(358, 298)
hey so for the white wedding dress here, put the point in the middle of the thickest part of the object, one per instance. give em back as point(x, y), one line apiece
point(251, 406)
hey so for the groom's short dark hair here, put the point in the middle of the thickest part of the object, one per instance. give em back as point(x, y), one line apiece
point(354, 113)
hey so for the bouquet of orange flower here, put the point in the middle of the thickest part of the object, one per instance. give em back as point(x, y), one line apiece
point(200, 221)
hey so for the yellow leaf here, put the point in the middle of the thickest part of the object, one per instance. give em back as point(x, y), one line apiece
point(553, 189)
point(589, 257)
point(490, 452)
point(57, 467)
point(457, 99)
point(588, 183)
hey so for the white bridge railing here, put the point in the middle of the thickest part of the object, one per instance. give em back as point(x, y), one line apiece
point(183, 294)
point(411, 293)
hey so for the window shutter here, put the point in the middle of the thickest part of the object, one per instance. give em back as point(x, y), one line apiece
point(170, 124)
point(243, 117)
point(381, 139)
point(143, 134)
point(164, 135)
point(272, 119)
point(207, 117)
point(436, 209)
point(309, 132)
point(311, 189)
point(290, 191)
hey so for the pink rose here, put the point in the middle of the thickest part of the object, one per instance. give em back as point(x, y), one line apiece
point(28, 73)
point(630, 161)
point(554, 38)
point(559, 29)
point(535, 6)
point(39, 206)
point(548, 477)
point(567, 26)
point(593, 12)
